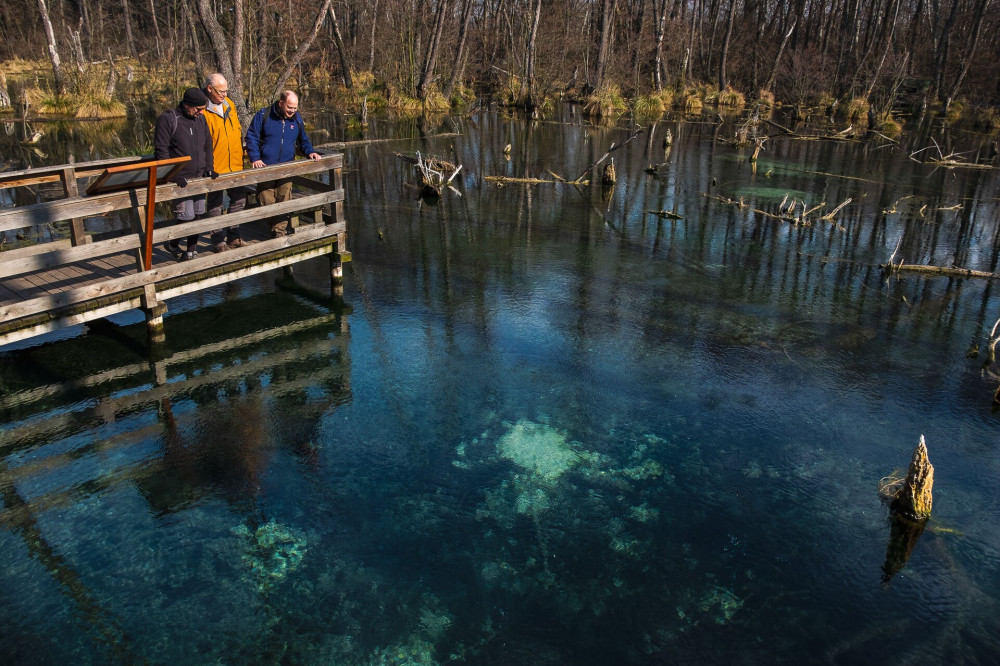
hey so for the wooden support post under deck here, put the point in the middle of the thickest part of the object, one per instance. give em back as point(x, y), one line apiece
point(154, 310)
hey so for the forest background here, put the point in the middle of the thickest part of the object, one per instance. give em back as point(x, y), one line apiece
point(868, 61)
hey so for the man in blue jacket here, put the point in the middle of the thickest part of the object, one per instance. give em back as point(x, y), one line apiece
point(275, 134)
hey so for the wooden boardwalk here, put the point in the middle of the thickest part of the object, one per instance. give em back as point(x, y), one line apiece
point(66, 282)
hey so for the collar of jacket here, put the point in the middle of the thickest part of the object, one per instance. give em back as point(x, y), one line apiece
point(276, 112)
point(225, 105)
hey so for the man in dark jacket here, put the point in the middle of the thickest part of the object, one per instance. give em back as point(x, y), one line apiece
point(275, 133)
point(179, 132)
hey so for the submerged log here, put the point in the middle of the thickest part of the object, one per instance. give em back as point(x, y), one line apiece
point(914, 498)
point(670, 215)
point(953, 271)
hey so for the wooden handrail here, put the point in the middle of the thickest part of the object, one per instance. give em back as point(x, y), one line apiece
point(52, 174)
point(66, 209)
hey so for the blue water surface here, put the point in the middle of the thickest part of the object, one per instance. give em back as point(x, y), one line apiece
point(540, 425)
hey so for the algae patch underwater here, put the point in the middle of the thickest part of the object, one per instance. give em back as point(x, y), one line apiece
point(541, 450)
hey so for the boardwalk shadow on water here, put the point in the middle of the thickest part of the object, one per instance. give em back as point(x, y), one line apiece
point(551, 428)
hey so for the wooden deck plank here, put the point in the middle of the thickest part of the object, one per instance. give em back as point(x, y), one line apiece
point(108, 287)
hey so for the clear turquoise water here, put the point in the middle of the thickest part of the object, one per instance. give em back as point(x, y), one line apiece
point(543, 427)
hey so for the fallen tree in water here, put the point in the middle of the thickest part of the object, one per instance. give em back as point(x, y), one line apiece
point(890, 267)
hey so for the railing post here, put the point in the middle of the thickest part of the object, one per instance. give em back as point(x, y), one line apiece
point(337, 216)
point(78, 235)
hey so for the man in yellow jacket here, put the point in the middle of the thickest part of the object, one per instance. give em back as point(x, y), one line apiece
point(227, 148)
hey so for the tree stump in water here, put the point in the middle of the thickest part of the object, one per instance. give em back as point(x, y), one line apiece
point(608, 178)
point(910, 508)
point(914, 498)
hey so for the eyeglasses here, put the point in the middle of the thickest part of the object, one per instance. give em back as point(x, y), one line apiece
point(221, 91)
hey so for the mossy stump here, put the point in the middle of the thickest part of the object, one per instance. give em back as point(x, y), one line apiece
point(914, 498)
point(609, 177)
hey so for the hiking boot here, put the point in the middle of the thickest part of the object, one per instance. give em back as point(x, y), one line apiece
point(189, 255)
point(237, 242)
point(175, 250)
point(220, 247)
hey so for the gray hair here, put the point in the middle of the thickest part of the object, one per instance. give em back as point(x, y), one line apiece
point(213, 79)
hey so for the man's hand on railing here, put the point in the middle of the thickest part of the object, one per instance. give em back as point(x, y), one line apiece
point(209, 173)
point(181, 181)
point(259, 164)
point(314, 156)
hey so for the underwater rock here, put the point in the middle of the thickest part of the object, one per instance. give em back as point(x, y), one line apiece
point(273, 552)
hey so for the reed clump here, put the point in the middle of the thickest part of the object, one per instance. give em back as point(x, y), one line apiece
point(462, 96)
point(654, 104)
point(98, 108)
point(689, 101)
point(857, 108)
point(731, 98)
point(605, 102)
point(889, 126)
point(765, 100)
point(647, 106)
point(364, 91)
point(984, 118)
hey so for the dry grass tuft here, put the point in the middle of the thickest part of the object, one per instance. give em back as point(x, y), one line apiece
point(606, 101)
point(689, 101)
point(889, 126)
point(765, 99)
point(99, 108)
point(889, 486)
point(648, 106)
point(461, 96)
point(857, 109)
point(731, 98)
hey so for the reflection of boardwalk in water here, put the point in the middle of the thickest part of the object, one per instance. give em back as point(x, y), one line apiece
point(203, 419)
point(55, 283)
point(276, 362)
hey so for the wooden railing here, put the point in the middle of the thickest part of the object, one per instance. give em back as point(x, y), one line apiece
point(324, 200)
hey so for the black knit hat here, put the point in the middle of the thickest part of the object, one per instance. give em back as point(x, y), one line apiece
point(195, 97)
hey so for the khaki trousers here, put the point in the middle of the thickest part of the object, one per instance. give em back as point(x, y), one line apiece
point(272, 192)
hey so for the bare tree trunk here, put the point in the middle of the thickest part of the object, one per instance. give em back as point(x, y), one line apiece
point(109, 89)
point(345, 63)
point(943, 46)
point(4, 95)
point(430, 61)
point(660, 20)
point(224, 59)
point(77, 44)
point(536, 17)
point(200, 71)
point(239, 32)
point(463, 35)
point(607, 35)
point(303, 48)
point(127, 15)
point(50, 36)
point(156, 28)
point(781, 50)
point(967, 59)
point(371, 47)
point(724, 57)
